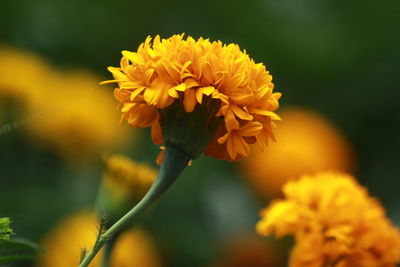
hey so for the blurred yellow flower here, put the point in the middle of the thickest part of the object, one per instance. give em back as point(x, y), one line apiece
point(21, 73)
point(125, 182)
point(233, 93)
point(67, 111)
point(64, 244)
point(307, 143)
point(75, 116)
point(127, 176)
point(335, 223)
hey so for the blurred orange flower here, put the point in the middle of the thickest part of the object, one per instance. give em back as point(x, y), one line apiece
point(236, 93)
point(249, 251)
point(307, 143)
point(64, 244)
point(335, 223)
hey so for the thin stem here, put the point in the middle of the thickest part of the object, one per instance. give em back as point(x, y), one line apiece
point(175, 161)
point(106, 261)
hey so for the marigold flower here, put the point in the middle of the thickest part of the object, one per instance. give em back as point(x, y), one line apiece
point(124, 184)
point(307, 143)
point(196, 95)
point(21, 74)
point(335, 223)
point(74, 116)
point(63, 245)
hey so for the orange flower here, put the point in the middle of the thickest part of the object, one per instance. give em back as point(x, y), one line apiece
point(335, 223)
point(307, 143)
point(233, 93)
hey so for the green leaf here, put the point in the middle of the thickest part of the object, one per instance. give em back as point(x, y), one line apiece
point(17, 249)
point(5, 230)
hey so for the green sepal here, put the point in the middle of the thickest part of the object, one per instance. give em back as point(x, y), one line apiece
point(191, 132)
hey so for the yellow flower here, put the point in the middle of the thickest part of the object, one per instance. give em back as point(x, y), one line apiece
point(307, 143)
point(335, 223)
point(74, 116)
point(63, 245)
point(124, 184)
point(21, 73)
point(219, 85)
point(124, 174)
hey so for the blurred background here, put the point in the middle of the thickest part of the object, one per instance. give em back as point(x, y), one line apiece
point(335, 62)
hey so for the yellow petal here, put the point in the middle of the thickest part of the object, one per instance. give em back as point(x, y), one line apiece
point(133, 57)
point(190, 83)
point(263, 112)
point(199, 95)
point(136, 92)
point(208, 90)
point(244, 115)
point(181, 87)
point(173, 93)
point(251, 129)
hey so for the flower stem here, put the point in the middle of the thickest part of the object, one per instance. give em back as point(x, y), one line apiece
point(175, 161)
point(106, 261)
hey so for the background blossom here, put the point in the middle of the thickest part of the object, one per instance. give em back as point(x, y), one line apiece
point(334, 221)
point(308, 143)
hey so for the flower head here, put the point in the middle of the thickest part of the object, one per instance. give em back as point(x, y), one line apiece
point(124, 184)
point(308, 141)
point(197, 95)
point(335, 223)
point(64, 244)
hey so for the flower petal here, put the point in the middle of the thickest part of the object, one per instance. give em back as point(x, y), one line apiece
point(189, 100)
point(251, 129)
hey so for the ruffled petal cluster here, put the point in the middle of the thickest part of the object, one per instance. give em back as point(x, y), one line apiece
point(187, 70)
point(335, 223)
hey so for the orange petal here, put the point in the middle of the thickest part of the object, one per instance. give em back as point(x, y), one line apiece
point(189, 100)
point(263, 112)
point(231, 123)
point(230, 147)
point(160, 156)
point(251, 129)
point(241, 113)
point(156, 134)
point(223, 138)
point(157, 94)
point(238, 145)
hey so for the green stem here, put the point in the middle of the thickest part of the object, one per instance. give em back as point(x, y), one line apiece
point(106, 261)
point(175, 161)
